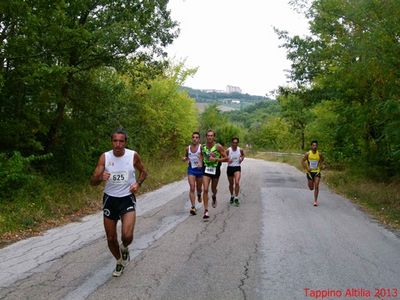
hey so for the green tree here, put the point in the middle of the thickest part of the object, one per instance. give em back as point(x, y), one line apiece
point(50, 50)
point(161, 117)
point(352, 56)
point(274, 134)
point(212, 118)
point(296, 113)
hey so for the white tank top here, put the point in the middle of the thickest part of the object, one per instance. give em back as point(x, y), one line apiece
point(234, 156)
point(194, 157)
point(122, 173)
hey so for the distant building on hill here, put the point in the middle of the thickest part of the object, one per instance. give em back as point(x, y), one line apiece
point(213, 91)
point(233, 89)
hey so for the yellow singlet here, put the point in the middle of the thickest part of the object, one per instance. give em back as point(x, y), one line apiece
point(313, 161)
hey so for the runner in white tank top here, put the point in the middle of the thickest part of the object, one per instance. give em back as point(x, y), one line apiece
point(117, 168)
point(195, 170)
point(236, 156)
point(122, 173)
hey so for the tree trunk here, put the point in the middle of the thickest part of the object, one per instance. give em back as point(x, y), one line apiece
point(58, 121)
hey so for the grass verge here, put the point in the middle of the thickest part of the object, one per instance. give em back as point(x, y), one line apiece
point(379, 199)
point(47, 203)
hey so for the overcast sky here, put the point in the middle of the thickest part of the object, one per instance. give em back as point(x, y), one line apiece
point(232, 42)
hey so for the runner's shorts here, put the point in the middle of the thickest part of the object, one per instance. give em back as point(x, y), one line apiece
point(198, 172)
point(311, 175)
point(232, 170)
point(217, 173)
point(115, 207)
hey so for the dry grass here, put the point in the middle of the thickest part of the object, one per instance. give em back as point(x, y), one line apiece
point(380, 199)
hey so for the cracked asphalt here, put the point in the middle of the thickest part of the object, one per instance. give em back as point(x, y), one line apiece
point(274, 246)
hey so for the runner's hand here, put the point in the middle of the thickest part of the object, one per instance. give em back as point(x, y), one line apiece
point(105, 176)
point(134, 187)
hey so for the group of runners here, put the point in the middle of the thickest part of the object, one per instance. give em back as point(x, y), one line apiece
point(118, 168)
point(204, 168)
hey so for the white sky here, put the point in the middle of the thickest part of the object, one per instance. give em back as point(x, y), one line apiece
point(233, 42)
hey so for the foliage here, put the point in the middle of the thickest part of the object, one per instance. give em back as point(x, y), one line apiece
point(162, 118)
point(211, 118)
point(15, 172)
point(72, 71)
point(350, 66)
point(296, 113)
point(274, 134)
point(50, 53)
point(254, 115)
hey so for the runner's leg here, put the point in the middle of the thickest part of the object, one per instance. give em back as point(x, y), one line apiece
point(192, 182)
point(316, 188)
point(199, 186)
point(206, 184)
point(110, 227)
point(214, 184)
point(230, 180)
point(237, 176)
point(128, 221)
point(310, 183)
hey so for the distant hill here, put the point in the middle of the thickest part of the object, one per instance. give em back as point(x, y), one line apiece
point(205, 96)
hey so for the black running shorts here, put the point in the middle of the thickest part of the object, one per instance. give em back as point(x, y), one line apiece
point(311, 175)
point(232, 170)
point(115, 207)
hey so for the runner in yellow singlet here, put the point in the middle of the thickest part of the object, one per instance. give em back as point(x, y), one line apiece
point(312, 162)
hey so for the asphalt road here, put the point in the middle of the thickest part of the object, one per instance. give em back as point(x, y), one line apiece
point(276, 245)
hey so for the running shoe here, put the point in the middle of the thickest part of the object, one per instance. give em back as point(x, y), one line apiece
point(119, 269)
point(193, 211)
point(231, 200)
point(237, 203)
point(124, 255)
point(315, 203)
point(214, 201)
point(206, 216)
point(199, 198)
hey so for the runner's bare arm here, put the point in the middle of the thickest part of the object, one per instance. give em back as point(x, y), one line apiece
point(99, 175)
point(227, 154)
point(241, 155)
point(224, 157)
point(186, 157)
point(304, 162)
point(321, 161)
point(201, 158)
point(137, 162)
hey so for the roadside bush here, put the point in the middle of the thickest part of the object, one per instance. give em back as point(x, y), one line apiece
point(16, 171)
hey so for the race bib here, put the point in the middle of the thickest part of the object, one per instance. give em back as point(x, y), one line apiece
point(119, 177)
point(211, 170)
point(313, 164)
point(195, 163)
